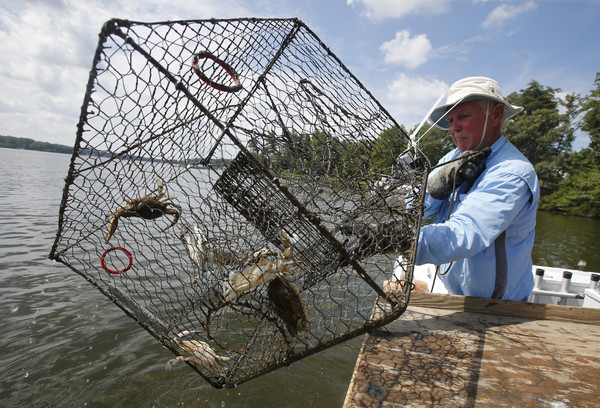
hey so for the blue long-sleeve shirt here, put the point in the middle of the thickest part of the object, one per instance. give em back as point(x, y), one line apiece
point(485, 245)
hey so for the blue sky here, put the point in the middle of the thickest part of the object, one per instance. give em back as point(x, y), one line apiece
point(406, 52)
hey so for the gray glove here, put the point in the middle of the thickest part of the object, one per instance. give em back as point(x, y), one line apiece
point(471, 164)
point(370, 239)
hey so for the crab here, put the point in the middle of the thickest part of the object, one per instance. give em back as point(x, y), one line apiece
point(201, 252)
point(148, 208)
point(198, 352)
point(287, 304)
point(261, 267)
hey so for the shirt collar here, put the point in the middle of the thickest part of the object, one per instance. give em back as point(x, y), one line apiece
point(497, 146)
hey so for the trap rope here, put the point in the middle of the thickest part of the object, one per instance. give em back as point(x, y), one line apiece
point(214, 165)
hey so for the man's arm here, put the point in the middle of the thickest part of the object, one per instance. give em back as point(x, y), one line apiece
point(479, 218)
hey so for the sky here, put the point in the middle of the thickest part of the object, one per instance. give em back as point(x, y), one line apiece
point(407, 53)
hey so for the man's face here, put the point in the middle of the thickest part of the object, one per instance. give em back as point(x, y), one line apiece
point(466, 125)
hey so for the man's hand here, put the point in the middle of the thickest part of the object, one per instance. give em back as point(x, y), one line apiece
point(466, 170)
point(370, 239)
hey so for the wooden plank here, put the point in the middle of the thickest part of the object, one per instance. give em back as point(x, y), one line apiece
point(450, 356)
point(506, 308)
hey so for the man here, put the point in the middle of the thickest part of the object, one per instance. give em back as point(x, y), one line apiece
point(483, 204)
point(484, 246)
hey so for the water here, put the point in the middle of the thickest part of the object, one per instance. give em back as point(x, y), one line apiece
point(562, 241)
point(63, 344)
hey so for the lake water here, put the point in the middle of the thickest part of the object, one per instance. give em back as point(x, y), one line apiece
point(63, 344)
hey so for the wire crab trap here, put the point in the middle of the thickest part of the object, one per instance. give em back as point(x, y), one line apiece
point(220, 173)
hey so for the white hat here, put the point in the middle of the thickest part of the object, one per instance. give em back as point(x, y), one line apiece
point(470, 89)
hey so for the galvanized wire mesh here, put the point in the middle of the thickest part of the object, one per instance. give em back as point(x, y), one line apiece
point(215, 161)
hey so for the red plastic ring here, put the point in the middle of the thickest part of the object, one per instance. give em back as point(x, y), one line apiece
point(229, 69)
point(112, 270)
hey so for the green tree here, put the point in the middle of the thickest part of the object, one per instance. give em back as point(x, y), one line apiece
point(530, 131)
point(578, 190)
point(323, 149)
point(591, 118)
point(392, 140)
point(434, 142)
point(541, 132)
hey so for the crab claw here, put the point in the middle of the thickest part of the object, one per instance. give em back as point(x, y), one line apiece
point(169, 365)
point(113, 222)
point(175, 214)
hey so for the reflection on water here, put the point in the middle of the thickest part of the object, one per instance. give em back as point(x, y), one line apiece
point(562, 241)
point(63, 344)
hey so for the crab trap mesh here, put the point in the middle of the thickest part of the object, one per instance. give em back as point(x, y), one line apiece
point(227, 191)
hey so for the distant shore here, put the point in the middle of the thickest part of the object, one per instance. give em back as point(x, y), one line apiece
point(11, 142)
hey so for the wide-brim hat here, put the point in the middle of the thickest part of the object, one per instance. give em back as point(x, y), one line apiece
point(471, 89)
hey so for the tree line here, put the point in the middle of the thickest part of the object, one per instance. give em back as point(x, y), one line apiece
point(12, 142)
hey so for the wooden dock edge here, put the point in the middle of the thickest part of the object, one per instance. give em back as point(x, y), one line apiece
point(440, 353)
point(506, 307)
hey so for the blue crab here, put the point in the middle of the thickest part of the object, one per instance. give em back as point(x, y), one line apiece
point(286, 302)
point(148, 208)
point(202, 253)
point(197, 352)
point(260, 268)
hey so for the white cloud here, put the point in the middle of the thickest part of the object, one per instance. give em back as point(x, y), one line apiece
point(381, 9)
point(505, 12)
point(48, 51)
point(411, 98)
point(406, 50)
point(47, 48)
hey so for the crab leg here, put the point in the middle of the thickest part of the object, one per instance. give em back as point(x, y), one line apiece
point(113, 222)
